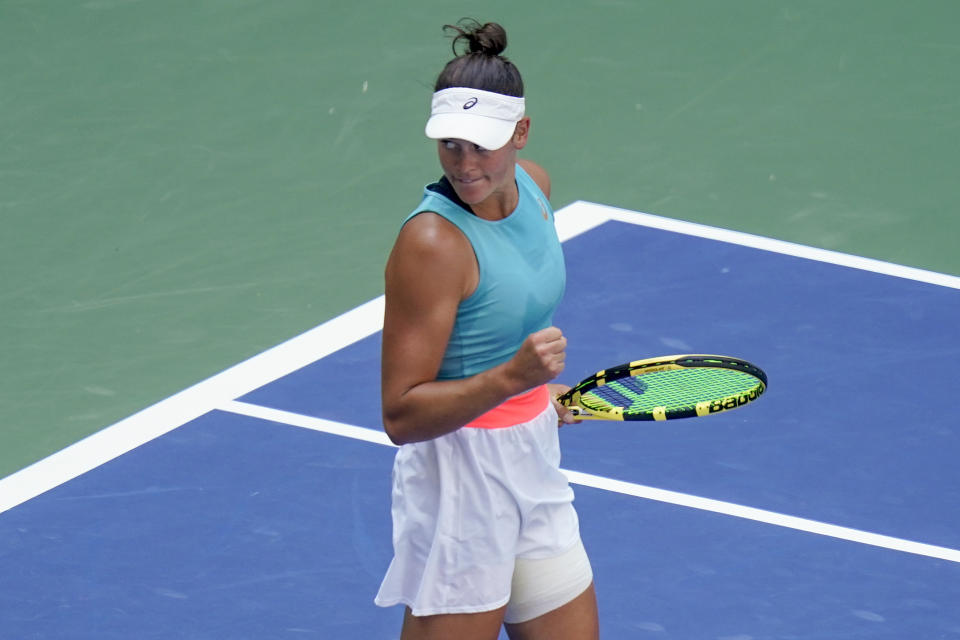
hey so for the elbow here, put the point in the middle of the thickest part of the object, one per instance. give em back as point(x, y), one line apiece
point(395, 430)
point(406, 423)
point(395, 436)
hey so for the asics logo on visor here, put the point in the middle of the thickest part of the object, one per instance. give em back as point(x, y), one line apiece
point(469, 104)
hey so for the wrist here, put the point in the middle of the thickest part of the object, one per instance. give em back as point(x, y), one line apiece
point(502, 383)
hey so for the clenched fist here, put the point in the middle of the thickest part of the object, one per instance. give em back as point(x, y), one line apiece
point(540, 358)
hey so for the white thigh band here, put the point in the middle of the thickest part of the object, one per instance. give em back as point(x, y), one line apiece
point(540, 586)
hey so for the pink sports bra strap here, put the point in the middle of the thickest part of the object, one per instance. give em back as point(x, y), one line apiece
point(517, 410)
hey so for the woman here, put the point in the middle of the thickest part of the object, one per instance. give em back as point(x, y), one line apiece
point(485, 533)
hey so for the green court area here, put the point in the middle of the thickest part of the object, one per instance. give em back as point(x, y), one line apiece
point(185, 184)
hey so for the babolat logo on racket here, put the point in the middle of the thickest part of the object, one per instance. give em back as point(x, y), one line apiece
point(736, 401)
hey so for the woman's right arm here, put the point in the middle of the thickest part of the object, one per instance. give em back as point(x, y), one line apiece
point(431, 269)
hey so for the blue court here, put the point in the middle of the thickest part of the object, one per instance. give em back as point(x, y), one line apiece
point(256, 504)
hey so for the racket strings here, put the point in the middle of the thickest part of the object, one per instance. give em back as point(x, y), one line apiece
point(676, 389)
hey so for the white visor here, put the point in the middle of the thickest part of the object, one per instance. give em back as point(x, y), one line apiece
point(484, 118)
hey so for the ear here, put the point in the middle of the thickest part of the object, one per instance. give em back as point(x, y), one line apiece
point(521, 134)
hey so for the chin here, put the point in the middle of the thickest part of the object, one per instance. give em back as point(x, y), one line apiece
point(471, 195)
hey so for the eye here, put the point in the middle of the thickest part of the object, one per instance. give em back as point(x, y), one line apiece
point(480, 149)
point(450, 145)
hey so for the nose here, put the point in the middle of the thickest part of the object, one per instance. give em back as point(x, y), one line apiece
point(468, 155)
point(465, 161)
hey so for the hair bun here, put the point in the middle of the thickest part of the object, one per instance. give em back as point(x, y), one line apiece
point(478, 62)
point(487, 39)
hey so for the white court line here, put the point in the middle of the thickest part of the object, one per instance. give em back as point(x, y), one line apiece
point(307, 422)
point(626, 488)
point(580, 212)
point(354, 325)
point(191, 403)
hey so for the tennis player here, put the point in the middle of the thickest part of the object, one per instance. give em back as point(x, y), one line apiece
point(484, 530)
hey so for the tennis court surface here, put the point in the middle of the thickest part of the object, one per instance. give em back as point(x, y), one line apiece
point(256, 503)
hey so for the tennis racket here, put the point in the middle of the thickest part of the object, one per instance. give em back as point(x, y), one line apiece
point(665, 388)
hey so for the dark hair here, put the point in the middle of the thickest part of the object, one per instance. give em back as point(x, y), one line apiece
point(479, 64)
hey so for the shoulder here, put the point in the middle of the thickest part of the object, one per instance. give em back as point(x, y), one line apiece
point(430, 234)
point(430, 248)
point(428, 230)
point(539, 175)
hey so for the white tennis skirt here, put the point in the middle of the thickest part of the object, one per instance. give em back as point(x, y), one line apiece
point(466, 505)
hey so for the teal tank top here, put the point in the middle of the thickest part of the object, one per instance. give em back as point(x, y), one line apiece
point(522, 277)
